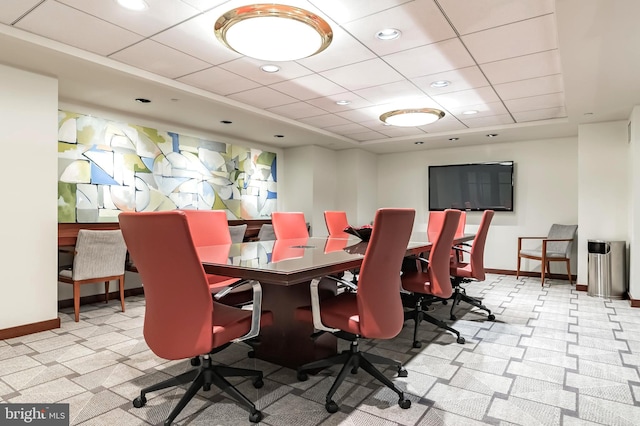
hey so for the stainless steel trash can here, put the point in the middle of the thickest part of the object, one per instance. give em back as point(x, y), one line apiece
point(607, 274)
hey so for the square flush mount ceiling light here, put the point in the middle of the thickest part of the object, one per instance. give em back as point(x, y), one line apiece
point(412, 117)
point(273, 32)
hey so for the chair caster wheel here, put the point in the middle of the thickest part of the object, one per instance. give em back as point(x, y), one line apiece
point(251, 354)
point(453, 317)
point(139, 402)
point(354, 370)
point(404, 403)
point(255, 417)
point(417, 344)
point(491, 317)
point(195, 361)
point(331, 407)
point(402, 372)
point(302, 376)
point(444, 302)
point(460, 340)
point(258, 383)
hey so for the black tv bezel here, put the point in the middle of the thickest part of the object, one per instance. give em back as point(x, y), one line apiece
point(477, 209)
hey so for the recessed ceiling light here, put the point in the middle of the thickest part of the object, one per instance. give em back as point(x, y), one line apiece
point(278, 136)
point(418, 142)
point(492, 135)
point(454, 139)
point(440, 83)
point(226, 121)
point(588, 113)
point(470, 112)
point(270, 68)
point(388, 34)
point(412, 117)
point(174, 99)
point(133, 4)
point(142, 100)
point(343, 102)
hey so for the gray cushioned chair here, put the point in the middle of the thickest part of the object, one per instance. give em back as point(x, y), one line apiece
point(99, 256)
point(556, 246)
point(266, 233)
point(237, 232)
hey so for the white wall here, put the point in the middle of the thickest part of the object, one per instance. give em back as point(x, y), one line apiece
point(634, 204)
point(603, 179)
point(357, 191)
point(546, 191)
point(29, 111)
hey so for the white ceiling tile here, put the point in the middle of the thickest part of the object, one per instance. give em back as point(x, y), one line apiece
point(160, 59)
point(345, 11)
point(219, 81)
point(196, 38)
point(411, 19)
point(477, 15)
point(204, 5)
point(524, 67)
point(553, 100)
point(509, 41)
point(263, 97)
point(324, 121)
point(463, 98)
point(308, 87)
point(530, 87)
point(540, 114)
point(431, 59)
point(297, 110)
point(446, 124)
point(77, 29)
point(367, 136)
point(250, 68)
point(328, 103)
point(396, 132)
point(390, 92)
point(363, 74)
point(343, 50)
point(491, 108)
point(10, 10)
point(492, 120)
point(347, 129)
point(461, 79)
point(159, 15)
point(363, 114)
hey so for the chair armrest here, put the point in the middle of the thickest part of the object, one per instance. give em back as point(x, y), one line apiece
point(226, 290)
point(256, 311)
point(343, 283)
point(457, 248)
point(315, 307)
point(558, 239)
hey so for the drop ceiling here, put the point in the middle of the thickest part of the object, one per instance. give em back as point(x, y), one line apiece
point(530, 68)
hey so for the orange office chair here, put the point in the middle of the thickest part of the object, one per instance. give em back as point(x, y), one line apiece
point(433, 282)
point(372, 310)
point(181, 320)
point(288, 225)
point(473, 270)
point(436, 219)
point(336, 221)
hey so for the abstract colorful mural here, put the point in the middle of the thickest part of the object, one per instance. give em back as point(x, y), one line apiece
point(105, 167)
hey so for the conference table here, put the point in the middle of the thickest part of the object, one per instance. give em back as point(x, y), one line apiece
point(285, 269)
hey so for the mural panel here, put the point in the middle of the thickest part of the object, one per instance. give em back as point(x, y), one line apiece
point(105, 167)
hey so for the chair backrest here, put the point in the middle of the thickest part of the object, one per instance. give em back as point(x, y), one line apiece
point(379, 304)
point(266, 233)
point(440, 255)
point(336, 221)
point(287, 225)
point(561, 232)
point(98, 254)
point(237, 232)
point(208, 227)
point(436, 220)
point(476, 257)
point(178, 320)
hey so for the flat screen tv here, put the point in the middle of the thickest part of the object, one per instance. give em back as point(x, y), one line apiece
point(472, 187)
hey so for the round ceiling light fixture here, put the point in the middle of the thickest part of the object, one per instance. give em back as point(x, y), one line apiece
point(270, 68)
point(273, 32)
point(388, 34)
point(412, 117)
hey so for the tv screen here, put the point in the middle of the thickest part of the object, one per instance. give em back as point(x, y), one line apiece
point(480, 186)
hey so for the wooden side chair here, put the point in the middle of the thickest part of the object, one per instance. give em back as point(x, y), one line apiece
point(99, 256)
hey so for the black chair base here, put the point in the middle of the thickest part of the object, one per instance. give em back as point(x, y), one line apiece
point(204, 377)
point(418, 315)
point(351, 360)
point(460, 294)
